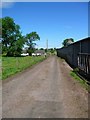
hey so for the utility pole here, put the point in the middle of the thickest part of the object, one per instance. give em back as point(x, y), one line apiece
point(47, 44)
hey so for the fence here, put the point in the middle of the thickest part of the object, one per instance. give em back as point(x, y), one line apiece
point(84, 63)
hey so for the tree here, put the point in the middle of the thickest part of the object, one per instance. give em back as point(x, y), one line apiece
point(30, 38)
point(41, 48)
point(16, 48)
point(12, 39)
point(68, 41)
point(51, 50)
point(46, 50)
point(8, 26)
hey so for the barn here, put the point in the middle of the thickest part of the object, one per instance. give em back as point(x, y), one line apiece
point(77, 55)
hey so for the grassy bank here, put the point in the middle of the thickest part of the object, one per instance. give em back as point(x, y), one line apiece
point(13, 65)
point(81, 81)
point(73, 73)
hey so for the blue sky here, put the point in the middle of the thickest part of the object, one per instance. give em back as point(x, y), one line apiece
point(54, 21)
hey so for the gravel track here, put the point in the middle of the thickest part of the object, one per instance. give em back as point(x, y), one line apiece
point(44, 91)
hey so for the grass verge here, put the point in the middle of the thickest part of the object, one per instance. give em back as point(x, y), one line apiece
point(13, 65)
point(81, 81)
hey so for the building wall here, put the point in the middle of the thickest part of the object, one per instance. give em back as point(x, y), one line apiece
point(70, 53)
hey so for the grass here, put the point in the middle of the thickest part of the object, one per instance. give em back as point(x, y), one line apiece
point(13, 65)
point(0, 67)
point(81, 81)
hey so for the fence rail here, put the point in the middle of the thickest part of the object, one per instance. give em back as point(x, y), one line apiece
point(84, 63)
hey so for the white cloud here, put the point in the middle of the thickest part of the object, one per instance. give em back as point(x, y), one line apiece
point(9, 3)
point(51, 0)
point(45, 1)
point(6, 3)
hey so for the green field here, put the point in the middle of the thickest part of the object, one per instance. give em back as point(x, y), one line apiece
point(12, 65)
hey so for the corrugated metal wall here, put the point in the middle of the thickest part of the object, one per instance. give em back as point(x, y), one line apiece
point(70, 53)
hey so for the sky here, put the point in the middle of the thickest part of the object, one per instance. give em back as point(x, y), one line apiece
point(54, 21)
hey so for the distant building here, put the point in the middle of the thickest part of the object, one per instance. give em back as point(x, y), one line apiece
point(39, 52)
point(25, 54)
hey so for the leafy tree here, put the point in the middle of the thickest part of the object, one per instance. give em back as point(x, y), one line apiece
point(16, 48)
point(12, 40)
point(30, 38)
point(66, 42)
point(52, 50)
point(41, 48)
point(46, 50)
point(8, 27)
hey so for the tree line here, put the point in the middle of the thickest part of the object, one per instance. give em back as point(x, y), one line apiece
point(12, 39)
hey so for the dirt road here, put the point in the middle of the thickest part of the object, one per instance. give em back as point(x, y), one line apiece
point(46, 90)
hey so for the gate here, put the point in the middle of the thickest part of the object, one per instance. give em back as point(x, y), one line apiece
point(84, 64)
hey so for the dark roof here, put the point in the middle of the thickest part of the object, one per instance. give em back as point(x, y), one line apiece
point(85, 39)
point(88, 38)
